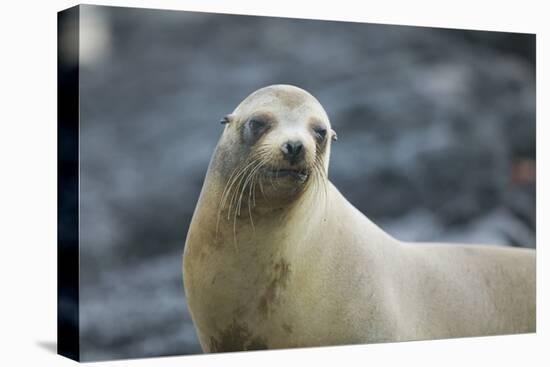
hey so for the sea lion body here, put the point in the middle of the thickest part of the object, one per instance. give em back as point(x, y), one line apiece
point(309, 269)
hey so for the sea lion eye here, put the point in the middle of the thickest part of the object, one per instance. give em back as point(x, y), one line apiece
point(320, 133)
point(257, 124)
point(254, 128)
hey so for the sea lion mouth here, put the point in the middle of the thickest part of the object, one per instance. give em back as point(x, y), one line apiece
point(298, 174)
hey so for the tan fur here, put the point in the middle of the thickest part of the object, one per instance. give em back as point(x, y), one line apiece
point(313, 270)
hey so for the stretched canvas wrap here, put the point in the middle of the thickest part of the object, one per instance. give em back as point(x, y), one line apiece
point(429, 133)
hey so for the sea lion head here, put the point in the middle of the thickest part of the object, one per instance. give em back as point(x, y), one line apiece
point(275, 144)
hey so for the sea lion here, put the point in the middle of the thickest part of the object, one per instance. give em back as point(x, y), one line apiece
point(276, 257)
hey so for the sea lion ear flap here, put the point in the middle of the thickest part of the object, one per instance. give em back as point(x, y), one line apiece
point(227, 119)
point(333, 135)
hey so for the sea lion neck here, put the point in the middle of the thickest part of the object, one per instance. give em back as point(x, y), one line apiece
point(253, 243)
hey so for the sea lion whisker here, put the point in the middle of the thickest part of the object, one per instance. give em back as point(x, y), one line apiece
point(246, 182)
point(322, 178)
point(251, 197)
point(240, 188)
point(231, 181)
point(233, 198)
point(236, 187)
point(224, 198)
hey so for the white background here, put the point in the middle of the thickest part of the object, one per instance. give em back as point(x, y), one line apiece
point(28, 200)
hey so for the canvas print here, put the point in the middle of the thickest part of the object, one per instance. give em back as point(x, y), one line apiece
point(232, 183)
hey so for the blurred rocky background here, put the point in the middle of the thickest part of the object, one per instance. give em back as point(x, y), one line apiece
point(436, 143)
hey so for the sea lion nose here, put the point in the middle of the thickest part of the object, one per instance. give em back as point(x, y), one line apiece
point(292, 151)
